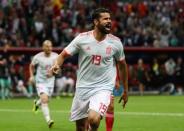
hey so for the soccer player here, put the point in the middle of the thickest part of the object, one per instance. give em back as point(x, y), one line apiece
point(98, 50)
point(44, 79)
point(109, 117)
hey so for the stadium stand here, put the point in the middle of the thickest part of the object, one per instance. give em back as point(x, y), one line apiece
point(148, 29)
point(26, 23)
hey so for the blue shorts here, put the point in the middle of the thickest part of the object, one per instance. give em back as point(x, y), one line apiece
point(118, 92)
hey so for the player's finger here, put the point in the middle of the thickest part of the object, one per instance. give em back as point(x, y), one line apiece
point(58, 71)
point(124, 104)
point(125, 101)
point(54, 70)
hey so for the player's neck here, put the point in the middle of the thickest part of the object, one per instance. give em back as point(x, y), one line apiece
point(99, 36)
point(47, 55)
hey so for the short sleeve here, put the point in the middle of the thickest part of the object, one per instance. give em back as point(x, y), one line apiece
point(73, 47)
point(35, 60)
point(55, 55)
point(119, 54)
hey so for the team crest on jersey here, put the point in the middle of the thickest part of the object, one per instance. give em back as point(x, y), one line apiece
point(108, 50)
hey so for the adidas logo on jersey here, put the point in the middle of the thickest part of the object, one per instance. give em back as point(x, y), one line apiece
point(88, 48)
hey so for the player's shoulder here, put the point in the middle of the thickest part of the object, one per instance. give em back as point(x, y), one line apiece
point(85, 34)
point(115, 40)
point(40, 54)
point(113, 37)
point(54, 53)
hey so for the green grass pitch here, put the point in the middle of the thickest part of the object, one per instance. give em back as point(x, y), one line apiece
point(143, 113)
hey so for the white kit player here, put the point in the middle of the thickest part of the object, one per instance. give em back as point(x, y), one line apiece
point(96, 75)
point(44, 79)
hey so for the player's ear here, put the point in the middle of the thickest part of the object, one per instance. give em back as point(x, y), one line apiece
point(95, 21)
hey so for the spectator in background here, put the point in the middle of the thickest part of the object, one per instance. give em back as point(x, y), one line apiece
point(5, 81)
point(142, 75)
point(21, 21)
point(66, 82)
point(170, 69)
point(179, 75)
point(173, 41)
point(166, 77)
point(155, 74)
point(22, 88)
point(165, 85)
point(159, 79)
point(164, 38)
point(132, 78)
point(18, 82)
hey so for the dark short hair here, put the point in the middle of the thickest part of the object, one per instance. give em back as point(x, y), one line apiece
point(96, 13)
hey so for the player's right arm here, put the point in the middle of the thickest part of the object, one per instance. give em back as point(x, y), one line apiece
point(59, 62)
point(70, 50)
point(32, 68)
point(31, 72)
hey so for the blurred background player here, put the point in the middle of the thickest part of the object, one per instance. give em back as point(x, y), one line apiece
point(98, 51)
point(44, 80)
point(109, 117)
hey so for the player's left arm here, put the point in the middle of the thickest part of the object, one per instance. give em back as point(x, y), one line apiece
point(123, 76)
point(123, 71)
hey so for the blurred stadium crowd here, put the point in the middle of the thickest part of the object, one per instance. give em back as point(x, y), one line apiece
point(158, 23)
point(138, 23)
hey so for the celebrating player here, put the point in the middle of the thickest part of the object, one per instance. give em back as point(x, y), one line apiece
point(44, 79)
point(96, 76)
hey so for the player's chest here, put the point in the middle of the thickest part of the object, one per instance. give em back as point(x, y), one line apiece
point(102, 49)
point(98, 54)
point(46, 62)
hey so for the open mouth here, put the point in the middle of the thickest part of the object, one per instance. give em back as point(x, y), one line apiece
point(108, 26)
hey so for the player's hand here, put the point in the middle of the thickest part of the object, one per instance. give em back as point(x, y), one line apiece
point(117, 85)
point(124, 97)
point(55, 69)
point(49, 74)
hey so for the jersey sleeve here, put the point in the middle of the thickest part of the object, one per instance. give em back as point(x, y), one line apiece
point(73, 47)
point(119, 54)
point(55, 55)
point(35, 60)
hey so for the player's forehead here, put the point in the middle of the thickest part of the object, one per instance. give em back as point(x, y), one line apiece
point(105, 15)
point(47, 43)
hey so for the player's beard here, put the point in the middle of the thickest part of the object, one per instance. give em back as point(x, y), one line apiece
point(105, 29)
point(47, 52)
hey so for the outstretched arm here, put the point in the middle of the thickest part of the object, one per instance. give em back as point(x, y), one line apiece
point(123, 74)
point(59, 62)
